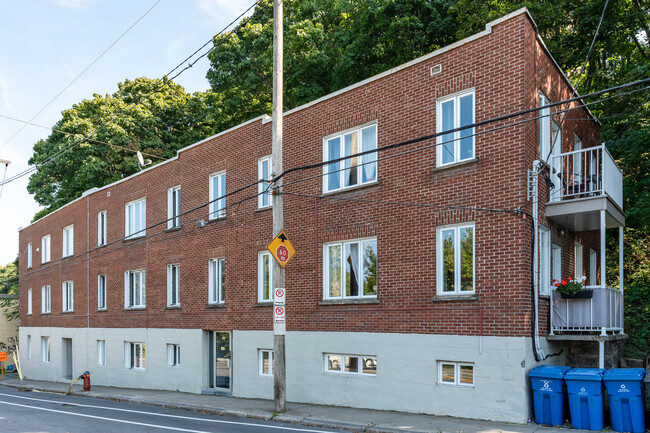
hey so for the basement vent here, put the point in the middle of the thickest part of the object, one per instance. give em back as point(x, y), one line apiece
point(436, 69)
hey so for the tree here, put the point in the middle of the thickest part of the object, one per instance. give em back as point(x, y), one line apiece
point(9, 286)
point(153, 116)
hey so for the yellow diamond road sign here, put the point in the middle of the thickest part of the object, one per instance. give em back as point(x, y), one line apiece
point(282, 249)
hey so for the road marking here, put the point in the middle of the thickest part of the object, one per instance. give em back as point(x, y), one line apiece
point(147, 413)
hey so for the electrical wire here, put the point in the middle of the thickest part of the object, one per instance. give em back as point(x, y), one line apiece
point(82, 72)
point(591, 47)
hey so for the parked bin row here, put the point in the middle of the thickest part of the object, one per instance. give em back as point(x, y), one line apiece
point(584, 387)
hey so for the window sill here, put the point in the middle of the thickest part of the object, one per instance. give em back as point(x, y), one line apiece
point(351, 188)
point(217, 306)
point(172, 307)
point(474, 160)
point(101, 310)
point(263, 304)
point(67, 312)
point(349, 301)
point(134, 308)
point(262, 209)
point(452, 298)
point(173, 229)
point(134, 238)
point(216, 219)
point(66, 257)
point(101, 246)
point(45, 313)
point(541, 296)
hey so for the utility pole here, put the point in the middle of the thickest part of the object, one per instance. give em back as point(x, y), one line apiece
point(279, 378)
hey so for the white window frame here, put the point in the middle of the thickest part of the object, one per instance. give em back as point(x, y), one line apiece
point(361, 162)
point(102, 226)
point(457, 260)
point(174, 285)
point(578, 169)
point(174, 355)
point(46, 253)
point(593, 267)
point(29, 302)
point(29, 347)
point(265, 196)
point(361, 362)
point(101, 292)
point(260, 276)
point(216, 275)
point(29, 255)
point(544, 128)
point(556, 262)
point(457, 367)
point(135, 225)
point(217, 198)
point(544, 261)
point(578, 260)
point(174, 207)
point(101, 352)
point(68, 241)
point(67, 296)
point(260, 357)
point(46, 299)
point(458, 135)
point(45, 350)
point(135, 300)
point(131, 359)
point(361, 243)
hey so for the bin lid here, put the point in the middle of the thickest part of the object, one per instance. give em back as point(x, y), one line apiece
point(624, 374)
point(585, 374)
point(549, 371)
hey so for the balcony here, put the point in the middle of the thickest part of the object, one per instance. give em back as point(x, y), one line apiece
point(585, 183)
point(601, 315)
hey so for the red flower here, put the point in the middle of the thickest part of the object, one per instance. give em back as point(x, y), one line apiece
point(563, 283)
point(570, 278)
point(557, 284)
point(553, 282)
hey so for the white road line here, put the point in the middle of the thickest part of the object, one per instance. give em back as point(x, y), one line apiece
point(278, 427)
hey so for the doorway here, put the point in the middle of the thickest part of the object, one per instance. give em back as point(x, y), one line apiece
point(220, 361)
point(66, 362)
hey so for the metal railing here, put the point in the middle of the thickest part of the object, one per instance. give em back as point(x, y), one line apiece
point(602, 313)
point(586, 173)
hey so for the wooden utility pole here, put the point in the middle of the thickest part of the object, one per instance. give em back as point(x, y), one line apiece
point(279, 379)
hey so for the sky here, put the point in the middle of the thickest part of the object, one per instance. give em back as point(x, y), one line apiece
point(45, 44)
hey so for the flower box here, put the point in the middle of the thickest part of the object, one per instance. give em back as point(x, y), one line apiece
point(583, 294)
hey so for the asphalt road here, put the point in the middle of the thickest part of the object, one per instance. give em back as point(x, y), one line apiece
point(44, 412)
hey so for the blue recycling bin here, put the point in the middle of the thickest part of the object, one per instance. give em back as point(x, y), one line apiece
point(586, 397)
point(548, 393)
point(625, 391)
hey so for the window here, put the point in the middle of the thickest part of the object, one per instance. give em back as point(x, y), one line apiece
point(593, 267)
point(455, 258)
point(544, 260)
point(264, 277)
point(266, 362)
point(67, 296)
point(265, 197)
point(29, 255)
point(174, 355)
point(216, 280)
point(452, 113)
point(351, 364)
point(578, 260)
point(544, 128)
point(45, 299)
point(218, 195)
point(350, 269)
point(68, 241)
point(29, 301)
point(135, 219)
point(45, 249)
point(45, 349)
point(556, 262)
point(577, 159)
point(173, 285)
point(174, 207)
point(101, 228)
point(353, 171)
point(101, 352)
point(134, 289)
point(455, 373)
point(101, 292)
point(134, 355)
point(29, 347)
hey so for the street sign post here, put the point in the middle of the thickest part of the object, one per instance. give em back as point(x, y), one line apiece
point(282, 249)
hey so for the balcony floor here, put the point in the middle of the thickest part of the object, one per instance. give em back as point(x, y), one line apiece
point(582, 214)
point(586, 337)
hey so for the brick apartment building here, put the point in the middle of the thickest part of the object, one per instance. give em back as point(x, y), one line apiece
point(411, 286)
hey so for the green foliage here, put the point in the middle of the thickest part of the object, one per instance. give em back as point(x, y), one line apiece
point(154, 117)
point(9, 286)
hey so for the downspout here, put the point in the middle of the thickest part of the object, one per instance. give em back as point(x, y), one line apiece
point(537, 351)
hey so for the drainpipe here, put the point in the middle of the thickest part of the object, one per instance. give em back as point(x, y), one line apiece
point(620, 276)
point(537, 351)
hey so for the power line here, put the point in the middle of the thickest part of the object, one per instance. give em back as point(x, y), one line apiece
point(593, 41)
point(82, 72)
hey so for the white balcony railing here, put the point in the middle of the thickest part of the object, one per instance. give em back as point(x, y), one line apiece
point(586, 172)
point(602, 313)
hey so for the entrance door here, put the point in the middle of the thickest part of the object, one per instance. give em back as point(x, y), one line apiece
point(66, 362)
point(223, 360)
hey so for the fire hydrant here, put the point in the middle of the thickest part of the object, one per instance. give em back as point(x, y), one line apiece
point(86, 378)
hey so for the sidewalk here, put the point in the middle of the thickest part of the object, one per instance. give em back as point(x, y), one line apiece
point(359, 420)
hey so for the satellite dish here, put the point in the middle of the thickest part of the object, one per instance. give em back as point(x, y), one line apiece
point(140, 159)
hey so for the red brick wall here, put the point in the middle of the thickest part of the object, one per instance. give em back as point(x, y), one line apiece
point(500, 67)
